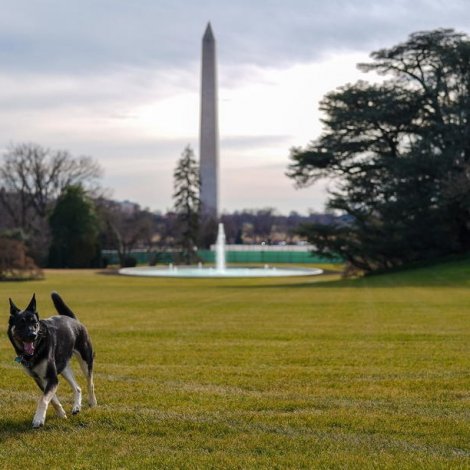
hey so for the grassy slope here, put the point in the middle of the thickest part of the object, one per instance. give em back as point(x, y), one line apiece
point(282, 373)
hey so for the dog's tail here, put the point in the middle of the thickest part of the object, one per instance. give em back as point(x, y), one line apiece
point(61, 307)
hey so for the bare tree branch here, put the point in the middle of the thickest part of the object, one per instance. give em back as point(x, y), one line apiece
point(32, 177)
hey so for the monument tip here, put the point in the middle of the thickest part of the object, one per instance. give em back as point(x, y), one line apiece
point(208, 33)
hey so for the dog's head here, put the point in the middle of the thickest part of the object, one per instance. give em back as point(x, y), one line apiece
point(23, 326)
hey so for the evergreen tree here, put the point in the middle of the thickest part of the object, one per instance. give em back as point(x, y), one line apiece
point(187, 203)
point(399, 152)
point(75, 231)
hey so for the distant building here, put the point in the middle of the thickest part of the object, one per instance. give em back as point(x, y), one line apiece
point(128, 207)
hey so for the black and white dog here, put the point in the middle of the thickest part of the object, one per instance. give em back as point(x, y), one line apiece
point(44, 349)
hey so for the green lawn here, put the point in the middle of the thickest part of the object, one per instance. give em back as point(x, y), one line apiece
point(273, 373)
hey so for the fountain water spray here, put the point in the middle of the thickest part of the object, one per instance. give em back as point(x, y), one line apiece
point(220, 249)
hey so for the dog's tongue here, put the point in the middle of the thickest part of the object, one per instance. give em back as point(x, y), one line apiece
point(28, 348)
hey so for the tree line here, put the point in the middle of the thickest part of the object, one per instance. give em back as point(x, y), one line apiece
point(36, 184)
point(54, 213)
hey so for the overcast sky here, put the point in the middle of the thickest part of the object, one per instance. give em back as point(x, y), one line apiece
point(119, 80)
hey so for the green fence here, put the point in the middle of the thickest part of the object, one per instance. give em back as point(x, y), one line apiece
point(263, 256)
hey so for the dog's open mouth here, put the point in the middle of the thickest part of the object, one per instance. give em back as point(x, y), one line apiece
point(28, 348)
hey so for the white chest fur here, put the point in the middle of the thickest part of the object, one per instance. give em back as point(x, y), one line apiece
point(39, 370)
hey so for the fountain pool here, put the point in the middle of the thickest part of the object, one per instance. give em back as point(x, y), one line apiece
point(220, 270)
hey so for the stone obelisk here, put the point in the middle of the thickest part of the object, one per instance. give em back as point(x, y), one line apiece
point(209, 129)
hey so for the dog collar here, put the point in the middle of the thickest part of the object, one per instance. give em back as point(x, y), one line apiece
point(24, 362)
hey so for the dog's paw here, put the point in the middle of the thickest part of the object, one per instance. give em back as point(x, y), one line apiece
point(76, 410)
point(92, 402)
point(38, 423)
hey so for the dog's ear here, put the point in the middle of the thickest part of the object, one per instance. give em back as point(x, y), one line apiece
point(13, 308)
point(32, 305)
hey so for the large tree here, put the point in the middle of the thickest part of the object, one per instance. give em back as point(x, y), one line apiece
point(399, 152)
point(187, 203)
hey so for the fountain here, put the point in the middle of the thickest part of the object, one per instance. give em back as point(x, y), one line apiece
point(220, 249)
point(220, 270)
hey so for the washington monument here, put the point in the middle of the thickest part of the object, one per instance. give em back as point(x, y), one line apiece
point(209, 129)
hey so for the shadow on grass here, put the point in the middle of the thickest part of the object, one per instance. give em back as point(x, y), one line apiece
point(10, 428)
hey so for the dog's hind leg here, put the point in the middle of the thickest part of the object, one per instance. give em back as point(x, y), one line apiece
point(67, 373)
point(60, 412)
point(86, 364)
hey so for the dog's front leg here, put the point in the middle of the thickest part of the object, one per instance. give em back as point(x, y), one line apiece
point(49, 393)
point(55, 401)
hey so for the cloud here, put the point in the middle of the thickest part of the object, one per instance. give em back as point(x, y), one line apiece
point(90, 35)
